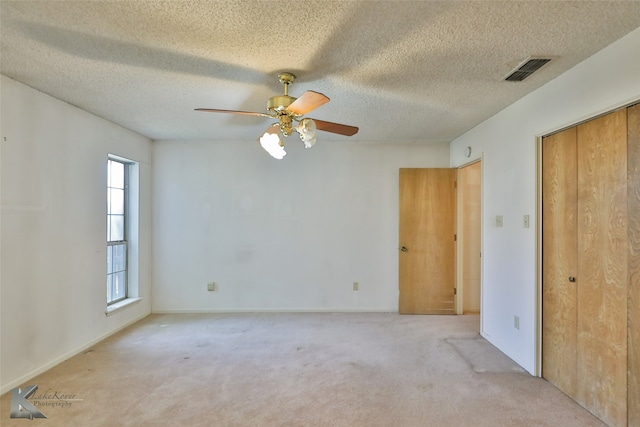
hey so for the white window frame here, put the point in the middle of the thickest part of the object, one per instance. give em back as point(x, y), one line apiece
point(131, 227)
point(114, 244)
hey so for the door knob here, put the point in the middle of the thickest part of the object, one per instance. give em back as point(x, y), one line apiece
point(572, 279)
point(403, 249)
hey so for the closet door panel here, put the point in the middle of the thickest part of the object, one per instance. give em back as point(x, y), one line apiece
point(602, 266)
point(633, 197)
point(559, 260)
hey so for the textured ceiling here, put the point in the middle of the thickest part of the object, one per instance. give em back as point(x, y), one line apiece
point(403, 71)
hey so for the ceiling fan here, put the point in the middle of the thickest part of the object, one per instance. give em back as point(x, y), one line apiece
point(287, 110)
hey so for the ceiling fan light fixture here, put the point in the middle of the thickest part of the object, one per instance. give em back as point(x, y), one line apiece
point(307, 130)
point(272, 143)
point(287, 110)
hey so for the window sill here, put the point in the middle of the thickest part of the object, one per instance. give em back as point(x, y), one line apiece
point(120, 305)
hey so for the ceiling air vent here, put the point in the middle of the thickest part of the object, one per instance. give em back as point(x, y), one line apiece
point(526, 68)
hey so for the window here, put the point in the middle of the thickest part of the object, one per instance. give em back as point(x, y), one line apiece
point(117, 229)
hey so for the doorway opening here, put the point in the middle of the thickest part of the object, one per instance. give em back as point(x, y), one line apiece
point(469, 239)
point(440, 240)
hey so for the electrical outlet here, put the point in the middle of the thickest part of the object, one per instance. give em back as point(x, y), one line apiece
point(516, 322)
point(355, 286)
point(211, 286)
point(526, 221)
point(499, 221)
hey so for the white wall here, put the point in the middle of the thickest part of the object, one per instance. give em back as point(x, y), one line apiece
point(53, 223)
point(507, 142)
point(291, 234)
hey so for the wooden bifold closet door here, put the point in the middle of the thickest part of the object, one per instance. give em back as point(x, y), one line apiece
point(585, 262)
point(560, 260)
point(602, 267)
point(633, 312)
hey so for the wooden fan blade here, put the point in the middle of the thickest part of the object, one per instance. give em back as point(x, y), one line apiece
point(309, 100)
point(336, 128)
point(246, 113)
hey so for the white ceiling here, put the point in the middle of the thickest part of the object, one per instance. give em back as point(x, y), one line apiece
point(403, 71)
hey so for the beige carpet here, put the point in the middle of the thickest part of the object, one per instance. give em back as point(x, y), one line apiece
point(378, 369)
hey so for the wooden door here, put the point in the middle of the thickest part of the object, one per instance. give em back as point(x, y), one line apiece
point(427, 229)
point(586, 238)
point(602, 267)
point(469, 214)
point(633, 197)
point(559, 260)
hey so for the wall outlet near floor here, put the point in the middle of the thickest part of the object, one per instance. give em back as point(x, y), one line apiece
point(211, 286)
point(499, 221)
point(355, 286)
point(516, 322)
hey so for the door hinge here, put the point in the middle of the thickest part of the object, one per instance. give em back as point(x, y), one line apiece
point(455, 237)
point(455, 291)
point(455, 184)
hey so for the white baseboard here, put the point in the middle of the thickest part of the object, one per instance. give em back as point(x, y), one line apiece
point(276, 310)
point(23, 379)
